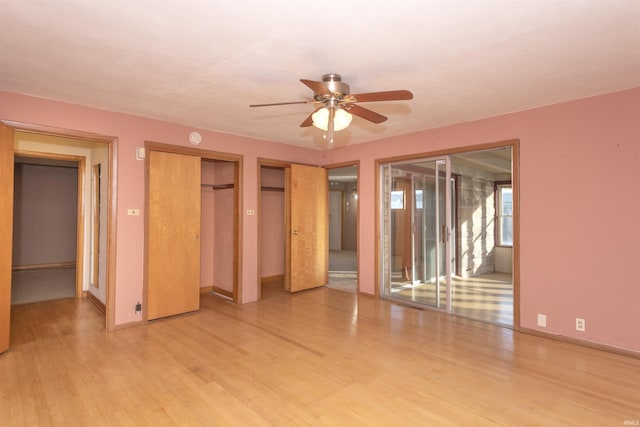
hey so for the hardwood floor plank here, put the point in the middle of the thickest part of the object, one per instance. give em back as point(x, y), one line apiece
point(320, 357)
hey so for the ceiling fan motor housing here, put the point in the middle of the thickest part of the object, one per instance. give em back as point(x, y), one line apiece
point(334, 83)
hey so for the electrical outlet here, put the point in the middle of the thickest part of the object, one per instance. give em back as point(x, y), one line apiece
point(138, 308)
point(580, 324)
point(542, 320)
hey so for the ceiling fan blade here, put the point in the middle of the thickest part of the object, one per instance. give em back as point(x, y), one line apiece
point(309, 120)
point(365, 113)
point(390, 95)
point(316, 87)
point(282, 103)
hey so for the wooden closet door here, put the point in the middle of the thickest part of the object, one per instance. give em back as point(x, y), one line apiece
point(173, 251)
point(6, 231)
point(307, 260)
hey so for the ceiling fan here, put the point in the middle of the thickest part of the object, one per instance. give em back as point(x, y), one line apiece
point(336, 105)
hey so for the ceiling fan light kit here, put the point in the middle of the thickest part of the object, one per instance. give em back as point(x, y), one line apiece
point(341, 119)
point(337, 106)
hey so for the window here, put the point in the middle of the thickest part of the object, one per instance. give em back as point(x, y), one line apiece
point(418, 199)
point(397, 199)
point(504, 215)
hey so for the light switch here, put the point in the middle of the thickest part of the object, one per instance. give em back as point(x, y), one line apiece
point(133, 212)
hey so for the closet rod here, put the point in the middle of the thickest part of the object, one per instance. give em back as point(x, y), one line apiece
point(218, 186)
point(272, 188)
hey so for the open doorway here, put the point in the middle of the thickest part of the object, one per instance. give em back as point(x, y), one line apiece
point(41, 141)
point(343, 228)
point(449, 233)
point(60, 227)
point(482, 278)
point(191, 228)
point(293, 229)
point(51, 265)
point(45, 229)
point(217, 228)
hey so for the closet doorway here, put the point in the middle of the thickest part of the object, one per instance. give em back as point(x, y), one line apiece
point(449, 227)
point(293, 227)
point(191, 228)
point(271, 216)
point(219, 219)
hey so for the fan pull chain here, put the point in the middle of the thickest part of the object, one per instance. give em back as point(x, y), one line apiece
point(330, 125)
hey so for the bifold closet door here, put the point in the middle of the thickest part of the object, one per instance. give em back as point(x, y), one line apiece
point(173, 257)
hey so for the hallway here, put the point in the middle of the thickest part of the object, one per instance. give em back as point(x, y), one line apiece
point(343, 271)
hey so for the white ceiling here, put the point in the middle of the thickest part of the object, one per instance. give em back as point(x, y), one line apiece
point(202, 62)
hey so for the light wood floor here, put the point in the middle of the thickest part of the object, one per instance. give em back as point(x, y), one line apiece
point(320, 357)
point(487, 297)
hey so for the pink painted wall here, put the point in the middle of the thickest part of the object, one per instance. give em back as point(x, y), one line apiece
point(579, 180)
point(579, 187)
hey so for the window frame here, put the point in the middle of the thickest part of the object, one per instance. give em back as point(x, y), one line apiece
point(497, 194)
